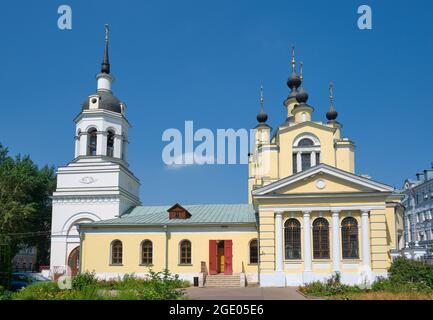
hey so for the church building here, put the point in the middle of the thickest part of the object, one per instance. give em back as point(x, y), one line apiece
point(308, 216)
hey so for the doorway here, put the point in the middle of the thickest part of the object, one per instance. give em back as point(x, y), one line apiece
point(220, 252)
point(220, 257)
point(74, 261)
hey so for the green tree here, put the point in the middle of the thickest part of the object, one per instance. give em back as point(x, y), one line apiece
point(25, 206)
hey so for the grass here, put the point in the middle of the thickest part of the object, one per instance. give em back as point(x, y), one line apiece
point(409, 280)
point(384, 295)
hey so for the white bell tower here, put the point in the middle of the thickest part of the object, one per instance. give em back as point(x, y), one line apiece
point(97, 184)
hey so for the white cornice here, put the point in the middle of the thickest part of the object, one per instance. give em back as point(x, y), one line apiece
point(324, 195)
point(321, 208)
point(323, 168)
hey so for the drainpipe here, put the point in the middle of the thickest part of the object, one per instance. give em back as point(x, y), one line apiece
point(166, 246)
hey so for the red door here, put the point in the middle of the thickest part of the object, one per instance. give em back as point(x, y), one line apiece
point(228, 257)
point(213, 258)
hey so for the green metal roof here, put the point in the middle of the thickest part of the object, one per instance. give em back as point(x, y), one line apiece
point(200, 214)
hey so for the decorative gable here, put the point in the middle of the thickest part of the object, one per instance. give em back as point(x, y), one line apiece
point(322, 179)
point(178, 212)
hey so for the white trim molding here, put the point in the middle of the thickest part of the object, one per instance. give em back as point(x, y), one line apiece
point(324, 169)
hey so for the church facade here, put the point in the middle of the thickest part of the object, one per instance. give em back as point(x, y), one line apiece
point(308, 216)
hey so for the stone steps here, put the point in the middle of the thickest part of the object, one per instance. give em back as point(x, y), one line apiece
point(223, 281)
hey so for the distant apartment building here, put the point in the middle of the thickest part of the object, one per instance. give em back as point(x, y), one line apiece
point(418, 216)
point(25, 259)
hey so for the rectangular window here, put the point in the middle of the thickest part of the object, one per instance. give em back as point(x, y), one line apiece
point(295, 163)
point(317, 158)
point(306, 161)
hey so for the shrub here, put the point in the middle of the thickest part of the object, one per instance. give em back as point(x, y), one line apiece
point(162, 286)
point(404, 271)
point(4, 294)
point(84, 280)
point(37, 291)
point(330, 287)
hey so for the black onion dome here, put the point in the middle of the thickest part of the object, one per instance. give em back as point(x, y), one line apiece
point(302, 96)
point(107, 102)
point(262, 117)
point(332, 114)
point(294, 81)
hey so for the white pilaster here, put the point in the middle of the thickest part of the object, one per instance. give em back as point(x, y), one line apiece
point(298, 162)
point(366, 260)
point(307, 248)
point(336, 256)
point(279, 242)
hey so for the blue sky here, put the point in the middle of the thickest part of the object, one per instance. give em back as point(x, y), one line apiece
point(204, 61)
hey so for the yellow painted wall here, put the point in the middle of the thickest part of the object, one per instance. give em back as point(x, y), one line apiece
point(287, 137)
point(96, 250)
point(279, 164)
point(382, 239)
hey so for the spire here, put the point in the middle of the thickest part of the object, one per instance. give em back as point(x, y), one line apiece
point(302, 95)
point(293, 59)
point(332, 114)
point(106, 64)
point(294, 81)
point(262, 117)
point(261, 97)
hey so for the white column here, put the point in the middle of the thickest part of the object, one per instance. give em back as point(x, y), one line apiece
point(336, 256)
point(125, 149)
point(99, 144)
point(366, 260)
point(279, 241)
point(117, 146)
point(313, 158)
point(104, 143)
point(77, 146)
point(83, 144)
point(409, 235)
point(298, 162)
point(307, 242)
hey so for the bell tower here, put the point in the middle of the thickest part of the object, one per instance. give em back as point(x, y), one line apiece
point(97, 184)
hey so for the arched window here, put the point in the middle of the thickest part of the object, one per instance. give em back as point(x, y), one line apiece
point(292, 239)
point(146, 252)
point(305, 142)
point(91, 145)
point(254, 251)
point(110, 144)
point(321, 239)
point(185, 252)
point(349, 238)
point(116, 252)
point(306, 153)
